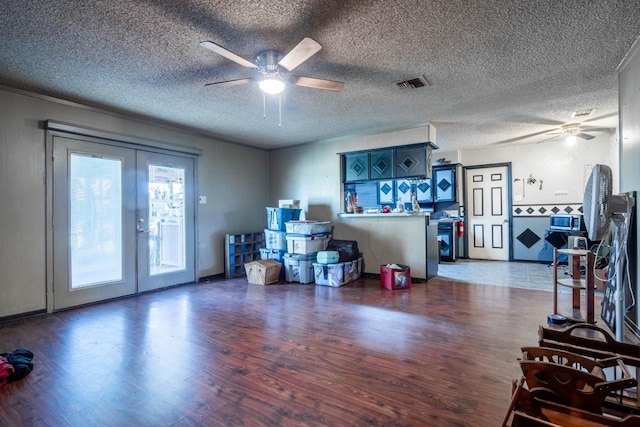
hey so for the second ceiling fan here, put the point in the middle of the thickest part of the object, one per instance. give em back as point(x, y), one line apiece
point(274, 68)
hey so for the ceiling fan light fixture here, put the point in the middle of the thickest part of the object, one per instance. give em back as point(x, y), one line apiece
point(271, 85)
point(571, 139)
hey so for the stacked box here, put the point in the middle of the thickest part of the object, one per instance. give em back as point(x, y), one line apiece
point(395, 278)
point(277, 217)
point(275, 239)
point(306, 244)
point(276, 254)
point(351, 270)
point(337, 274)
point(299, 268)
point(329, 274)
point(308, 228)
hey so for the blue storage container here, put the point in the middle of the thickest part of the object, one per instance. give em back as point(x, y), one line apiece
point(277, 217)
point(328, 257)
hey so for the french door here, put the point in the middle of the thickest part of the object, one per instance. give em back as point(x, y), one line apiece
point(165, 226)
point(487, 211)
point(123, 221)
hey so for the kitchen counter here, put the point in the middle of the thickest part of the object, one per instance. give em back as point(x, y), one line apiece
point(401, 238)
point(384, 215)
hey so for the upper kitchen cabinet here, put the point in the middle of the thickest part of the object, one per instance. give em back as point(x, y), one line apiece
point(381, 164)
point(356, 167)
point(405, 161)
point(412, 162)
point(444, 183)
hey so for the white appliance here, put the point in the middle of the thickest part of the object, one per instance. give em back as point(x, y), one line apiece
point(602, 210)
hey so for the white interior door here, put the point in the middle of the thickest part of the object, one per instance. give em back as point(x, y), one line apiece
point(166, 238)
point(93, 222)
point(487, 213)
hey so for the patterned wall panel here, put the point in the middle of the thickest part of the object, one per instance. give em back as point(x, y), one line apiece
point(546, 210)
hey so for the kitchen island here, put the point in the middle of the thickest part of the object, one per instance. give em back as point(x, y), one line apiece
point(401, 238)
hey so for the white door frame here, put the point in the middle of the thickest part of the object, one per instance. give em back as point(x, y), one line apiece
point(54, 128)
point(508, 207)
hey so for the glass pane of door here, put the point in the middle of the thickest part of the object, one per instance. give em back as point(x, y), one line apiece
point(95, 220)
point(94, 223)
point(166, 219)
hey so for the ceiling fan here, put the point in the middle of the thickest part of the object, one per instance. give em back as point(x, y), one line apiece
point(274, 68)
point(576, 130)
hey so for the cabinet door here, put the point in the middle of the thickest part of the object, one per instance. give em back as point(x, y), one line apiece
point(411, 162)
point(403, 190)
point(356, 167)
point(445, 184)
point(424, 191)
point(382, 163)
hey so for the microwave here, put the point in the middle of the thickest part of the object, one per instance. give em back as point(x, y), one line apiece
point(566, 222)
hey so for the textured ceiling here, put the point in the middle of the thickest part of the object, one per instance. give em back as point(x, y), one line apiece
point(498, 71)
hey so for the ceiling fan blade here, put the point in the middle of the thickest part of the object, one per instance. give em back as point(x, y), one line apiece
point(585, 136)
point(317, 83)
point(230, 82)
point(303, 51)
point(548, 139)
point(227, 54)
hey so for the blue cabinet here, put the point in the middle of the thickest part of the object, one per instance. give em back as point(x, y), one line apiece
point(381, 164)
point(444, 183)
point(424, 191)
point(356, 167)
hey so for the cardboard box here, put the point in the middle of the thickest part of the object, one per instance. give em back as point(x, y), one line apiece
point(263, 272)
point(395, 278)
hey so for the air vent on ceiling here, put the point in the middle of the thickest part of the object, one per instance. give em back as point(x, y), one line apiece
point(582, 113)
point(413, 83)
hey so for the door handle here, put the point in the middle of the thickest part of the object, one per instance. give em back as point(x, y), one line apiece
point(139, 226)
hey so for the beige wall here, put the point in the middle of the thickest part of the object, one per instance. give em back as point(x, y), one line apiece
point(311, 172)
point(234, 179)
point(563, 168)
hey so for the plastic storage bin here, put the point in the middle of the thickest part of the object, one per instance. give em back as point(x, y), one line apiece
point(328, 257)
point(329, 274)
point(308, 227)
point(395, 278)
point(277, 254)
point(299, 268)
point(306, 245)
point(277, 217)
point(275, 239)
point(351, 270)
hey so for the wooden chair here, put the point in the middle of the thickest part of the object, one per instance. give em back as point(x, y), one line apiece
point(596, 343)
point(525, 410)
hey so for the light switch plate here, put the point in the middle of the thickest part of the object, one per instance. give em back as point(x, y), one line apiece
point(202, 200)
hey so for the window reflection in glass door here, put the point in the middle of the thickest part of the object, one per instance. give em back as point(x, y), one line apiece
point(166, 219)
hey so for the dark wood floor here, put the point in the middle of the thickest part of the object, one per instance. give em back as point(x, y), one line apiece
point(227, 353)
